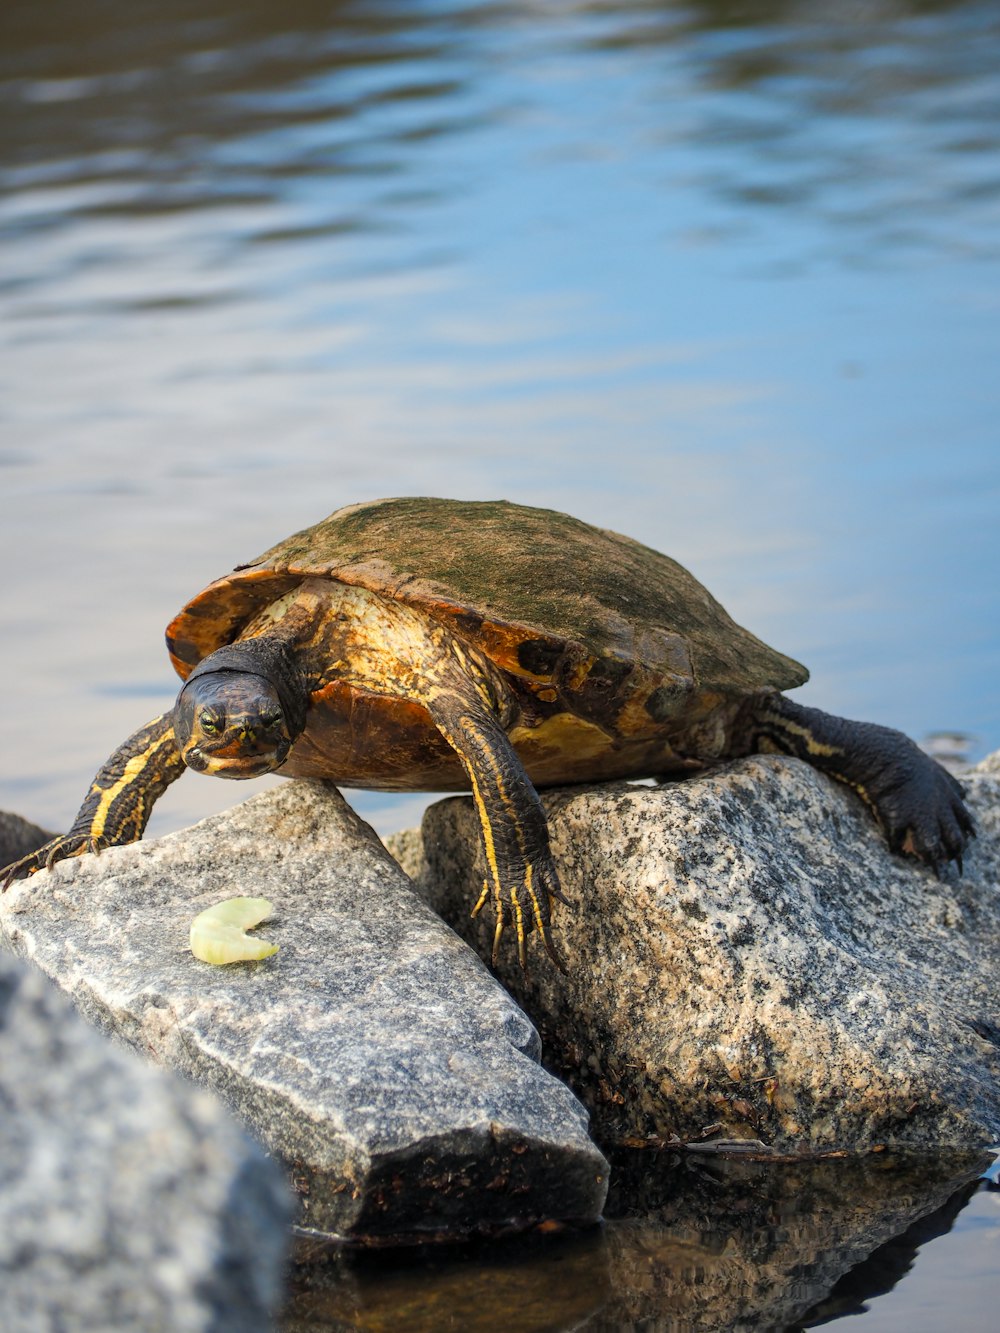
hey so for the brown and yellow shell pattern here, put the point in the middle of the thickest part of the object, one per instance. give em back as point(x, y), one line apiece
point(619, 662)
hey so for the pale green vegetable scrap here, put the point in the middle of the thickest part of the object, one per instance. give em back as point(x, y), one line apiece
point(217, 934)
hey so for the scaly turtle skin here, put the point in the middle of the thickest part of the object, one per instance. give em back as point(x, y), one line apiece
point(420, 644)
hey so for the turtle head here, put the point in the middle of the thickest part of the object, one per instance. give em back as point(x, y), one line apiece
point(242, 708)
point(230, 724)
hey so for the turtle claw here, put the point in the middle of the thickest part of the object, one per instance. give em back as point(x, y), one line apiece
point(557, 893)
point(45, 857)
point(925, 818)
point(535, 914)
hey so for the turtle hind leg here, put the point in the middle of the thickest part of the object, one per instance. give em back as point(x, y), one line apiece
point(919, 805)
point(120, 800)
point(521, 876)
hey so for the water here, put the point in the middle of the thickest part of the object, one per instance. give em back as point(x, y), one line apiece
point(700, 1245)
point(724, 277)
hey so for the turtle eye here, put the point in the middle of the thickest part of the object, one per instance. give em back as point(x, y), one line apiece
point(209, 724)
point(270, 720)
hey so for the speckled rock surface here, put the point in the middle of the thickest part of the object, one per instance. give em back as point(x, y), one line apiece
point(128, 1199)
point(18, 837)
point(373, 1053)
point(744, 952)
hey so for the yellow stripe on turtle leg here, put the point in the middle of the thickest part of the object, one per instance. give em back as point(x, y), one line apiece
point(541, 922)
point(475, 734)
point(118, 805)
point(141, 782)
point(489, 849)
point(481, 900)
point(123, 793)
point(512, 822)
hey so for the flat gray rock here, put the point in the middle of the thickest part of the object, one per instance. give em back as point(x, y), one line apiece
point(128, 1199)
point(745, 953)
point(373, 1054)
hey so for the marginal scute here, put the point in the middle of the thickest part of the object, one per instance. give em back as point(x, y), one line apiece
point(663, 702)
point(539, 657)
point(218, 614)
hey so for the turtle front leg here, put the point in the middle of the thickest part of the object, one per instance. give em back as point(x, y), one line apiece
point(521, 875)
point(120, 800)
point(918, 803)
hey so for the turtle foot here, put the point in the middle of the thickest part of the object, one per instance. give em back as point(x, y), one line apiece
point(918, 804)
point(58, 849)
point(527, 906)
point(925, 816)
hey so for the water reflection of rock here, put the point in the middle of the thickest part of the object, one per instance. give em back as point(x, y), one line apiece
point(527, 1286)
point(889, 1264)
point(740, 1245)
point(705, 1244)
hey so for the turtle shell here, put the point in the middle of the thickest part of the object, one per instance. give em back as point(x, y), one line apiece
point(616, 655)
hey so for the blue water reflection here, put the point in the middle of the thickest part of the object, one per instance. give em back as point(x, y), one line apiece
point(720, 277)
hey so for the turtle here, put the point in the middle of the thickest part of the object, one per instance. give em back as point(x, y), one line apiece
point(445, 645)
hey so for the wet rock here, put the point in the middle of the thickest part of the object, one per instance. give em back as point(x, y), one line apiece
point(128, 1199)
point(373, 1054)
point(18, 837)
point(746, 954)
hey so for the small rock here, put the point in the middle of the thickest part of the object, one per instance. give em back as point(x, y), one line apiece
point(951, 749)
point(18, 838)
point(128, 1199)
point(745, 952)
point(373, 1054)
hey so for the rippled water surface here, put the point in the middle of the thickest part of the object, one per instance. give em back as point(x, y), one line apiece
point(724, 276)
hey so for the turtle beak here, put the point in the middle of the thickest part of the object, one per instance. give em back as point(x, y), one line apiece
point(239, 754)
point(234, 766)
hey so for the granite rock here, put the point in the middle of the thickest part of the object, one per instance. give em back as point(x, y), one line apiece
point(128, 1199)
point(747, 959)
point(373, 1054)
